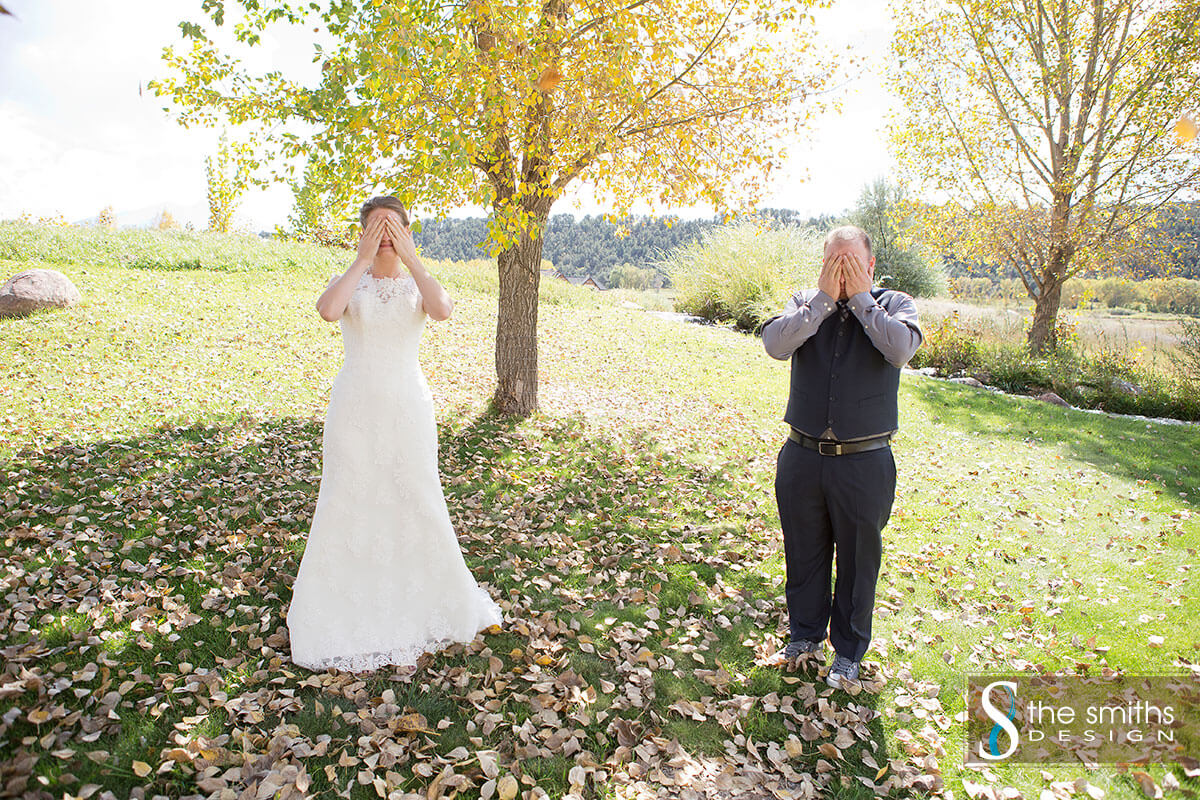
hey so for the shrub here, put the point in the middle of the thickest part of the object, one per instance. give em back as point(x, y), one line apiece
point(907, 272)
point(951, 347)
point(1115, 292)
point(1109, 379)
point(743, 273)
point(1009, 366)
point(1172, 295)
point(228, 177)
point(1114, 381)
point(1160, 295)
point(1186, 357)
point(319, 214)
point(987, 289)
point(630, 276)
point(166, 221)
point(967, 288)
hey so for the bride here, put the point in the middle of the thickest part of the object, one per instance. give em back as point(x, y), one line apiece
point(382, 579)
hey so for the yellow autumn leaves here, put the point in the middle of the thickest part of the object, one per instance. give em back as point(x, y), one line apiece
point(1185, 129)
point(549, 79)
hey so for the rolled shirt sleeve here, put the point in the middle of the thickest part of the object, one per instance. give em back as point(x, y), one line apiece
point(892, 326)
point(782, 335)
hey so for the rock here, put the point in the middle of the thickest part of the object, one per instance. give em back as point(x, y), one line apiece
point(968, 381)
point(930, 372)
point(1051, 397)
point(35, 289)
point(1126, 387)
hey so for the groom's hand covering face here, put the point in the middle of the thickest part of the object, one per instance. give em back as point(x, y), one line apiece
point(856, 274)
point(853, 265)
point(830, 279)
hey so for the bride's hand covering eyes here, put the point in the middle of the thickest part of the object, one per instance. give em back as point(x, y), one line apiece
point(402, 240)
point(368, 242)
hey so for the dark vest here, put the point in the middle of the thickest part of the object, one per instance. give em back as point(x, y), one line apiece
point(840, 381)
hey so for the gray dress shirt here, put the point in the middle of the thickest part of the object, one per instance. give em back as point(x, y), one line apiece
point(891, 326)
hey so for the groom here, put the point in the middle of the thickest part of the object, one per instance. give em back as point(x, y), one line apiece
point(835, 478)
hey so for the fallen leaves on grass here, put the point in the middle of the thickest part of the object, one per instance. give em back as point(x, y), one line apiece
point(149, 582)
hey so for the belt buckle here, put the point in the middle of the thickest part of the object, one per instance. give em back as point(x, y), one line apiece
point(835, 448)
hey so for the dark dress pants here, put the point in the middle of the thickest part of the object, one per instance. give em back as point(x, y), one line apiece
point(833, 506)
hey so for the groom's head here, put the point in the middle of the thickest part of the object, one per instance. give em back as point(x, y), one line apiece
point(847, 238)
point(850, 240)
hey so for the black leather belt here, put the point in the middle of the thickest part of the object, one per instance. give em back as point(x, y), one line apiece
point(828, 447)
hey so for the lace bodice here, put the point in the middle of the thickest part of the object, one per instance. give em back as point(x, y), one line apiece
point(382, 323)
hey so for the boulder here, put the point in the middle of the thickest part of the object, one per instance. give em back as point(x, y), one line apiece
point(35, 289)
point(1052, 398)
point(1125, 387)
point(968, 381)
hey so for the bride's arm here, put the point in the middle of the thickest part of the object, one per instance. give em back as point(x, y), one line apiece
point(332, 302)
point(434, 300)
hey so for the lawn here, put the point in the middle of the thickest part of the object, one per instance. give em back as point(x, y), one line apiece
point(161, 451)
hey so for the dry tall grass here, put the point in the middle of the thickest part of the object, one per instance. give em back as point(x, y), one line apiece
point(1152, 339)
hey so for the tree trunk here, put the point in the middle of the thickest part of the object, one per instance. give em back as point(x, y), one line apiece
point(516, 326)
point(1043, 333)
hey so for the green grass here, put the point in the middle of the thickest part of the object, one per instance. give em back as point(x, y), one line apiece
point(160, 455)
point(155, 250)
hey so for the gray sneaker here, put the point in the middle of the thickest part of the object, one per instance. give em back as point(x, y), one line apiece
point(798, 648)
point(842, 672)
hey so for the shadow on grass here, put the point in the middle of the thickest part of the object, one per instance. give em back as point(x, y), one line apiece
point(1165, 454)
point(161, 566)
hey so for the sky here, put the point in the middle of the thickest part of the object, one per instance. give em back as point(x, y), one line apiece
point(79, 131)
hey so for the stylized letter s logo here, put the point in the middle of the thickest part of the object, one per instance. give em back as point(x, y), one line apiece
point(1003, 721)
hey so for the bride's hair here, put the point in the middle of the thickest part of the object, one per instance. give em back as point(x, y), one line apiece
point(383, 201)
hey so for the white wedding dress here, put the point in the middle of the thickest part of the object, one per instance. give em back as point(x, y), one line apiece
point(383, 578)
